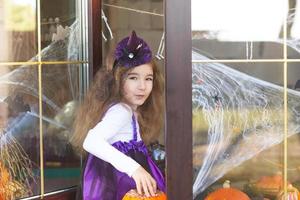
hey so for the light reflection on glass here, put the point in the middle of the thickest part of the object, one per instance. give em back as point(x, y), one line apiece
point(18, 30)
point(235, 20)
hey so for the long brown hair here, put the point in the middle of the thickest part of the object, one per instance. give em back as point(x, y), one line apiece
point(106, 90)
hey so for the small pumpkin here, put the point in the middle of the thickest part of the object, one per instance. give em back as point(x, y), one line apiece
point(270, 185)
point(133, 195)
point(270, 182)
point(292, 194)
point(227, 193)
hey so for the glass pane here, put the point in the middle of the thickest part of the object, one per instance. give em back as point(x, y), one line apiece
point(234, 29)
point(18, 30)
point(293, 30)
point(61, 91)
point(130, 15)
point(293, 126)
point(237, 128)
point(61, 38)
point(19, 132)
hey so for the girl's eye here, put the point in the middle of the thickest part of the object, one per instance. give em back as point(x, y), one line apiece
point(149, 79)
point(132, 78)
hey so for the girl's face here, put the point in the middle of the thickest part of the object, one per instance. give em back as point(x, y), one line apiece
point(138, 85)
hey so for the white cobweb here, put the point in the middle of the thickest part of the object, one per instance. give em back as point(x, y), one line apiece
point(65, 49)
point(24, 80)
point(231, 100)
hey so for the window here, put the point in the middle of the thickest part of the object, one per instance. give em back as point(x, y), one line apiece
point(43, 76)
point(245, 110)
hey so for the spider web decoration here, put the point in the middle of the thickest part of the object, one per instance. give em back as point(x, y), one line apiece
point(230, 100)
point(25, 77)
point(16, 170)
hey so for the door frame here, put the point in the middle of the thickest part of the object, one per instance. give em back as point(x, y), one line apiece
point(178, 68)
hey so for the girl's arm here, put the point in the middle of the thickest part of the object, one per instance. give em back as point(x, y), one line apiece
point(96, 141)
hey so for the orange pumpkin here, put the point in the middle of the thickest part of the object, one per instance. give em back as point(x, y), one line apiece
point(133, 195)
point(227, 193)
point(269, 185)
point(270, 182)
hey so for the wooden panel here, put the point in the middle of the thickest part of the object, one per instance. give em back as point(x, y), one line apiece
point(95, 36)
point(178, 99)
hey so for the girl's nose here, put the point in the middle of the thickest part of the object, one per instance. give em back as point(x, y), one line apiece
point(142, 85)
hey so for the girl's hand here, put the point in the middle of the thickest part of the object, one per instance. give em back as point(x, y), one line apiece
point(145, 184)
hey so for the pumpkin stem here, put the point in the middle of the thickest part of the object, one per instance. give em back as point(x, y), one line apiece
point(226, 184)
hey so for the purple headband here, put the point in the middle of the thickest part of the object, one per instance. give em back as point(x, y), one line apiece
point(132, 51)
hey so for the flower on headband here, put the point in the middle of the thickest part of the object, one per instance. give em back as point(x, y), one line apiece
point(132, 51)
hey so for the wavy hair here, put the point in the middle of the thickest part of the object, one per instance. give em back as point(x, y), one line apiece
point(107, 90)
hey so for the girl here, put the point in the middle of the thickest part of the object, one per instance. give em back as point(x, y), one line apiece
point(122, 110)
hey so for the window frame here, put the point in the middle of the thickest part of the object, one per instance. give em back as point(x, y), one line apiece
point(178, 87)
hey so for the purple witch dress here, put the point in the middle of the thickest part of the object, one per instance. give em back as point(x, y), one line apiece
point(101, 181)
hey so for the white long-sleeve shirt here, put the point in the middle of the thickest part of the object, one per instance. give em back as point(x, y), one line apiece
point(116, 125)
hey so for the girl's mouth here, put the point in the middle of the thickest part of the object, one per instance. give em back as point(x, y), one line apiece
point(140, 96)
